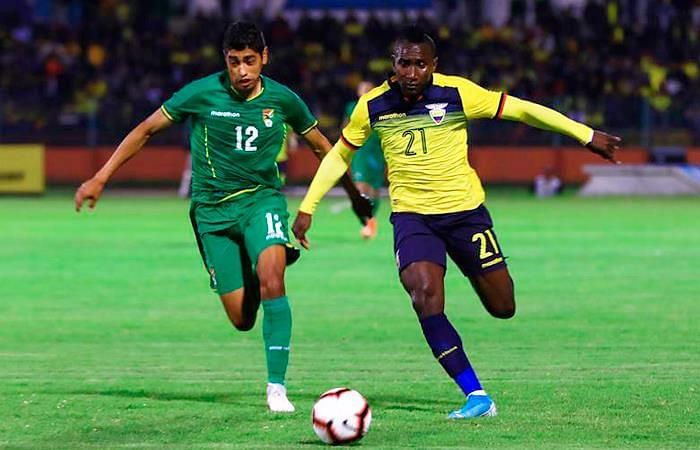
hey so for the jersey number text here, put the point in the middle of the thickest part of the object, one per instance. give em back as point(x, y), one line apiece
point(252, 133)
point(411, 138)
point(481, 237)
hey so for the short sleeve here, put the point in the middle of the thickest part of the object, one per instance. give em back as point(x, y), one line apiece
point(298, 114)
point(479, 103)
point(182, 104)
point(358, 128)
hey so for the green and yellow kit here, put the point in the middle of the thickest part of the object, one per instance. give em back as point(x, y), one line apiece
point(237, 208)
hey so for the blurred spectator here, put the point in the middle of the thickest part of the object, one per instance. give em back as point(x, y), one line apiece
point(626, 63)
point(547, 184)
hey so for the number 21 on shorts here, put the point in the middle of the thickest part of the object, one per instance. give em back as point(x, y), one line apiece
point(485, 239)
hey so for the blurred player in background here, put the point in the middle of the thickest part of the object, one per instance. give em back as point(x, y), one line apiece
point(290, 145)
point(239, 122)
point(185, 188)
point(547, 184)
point(437, 199)
point(367, 166)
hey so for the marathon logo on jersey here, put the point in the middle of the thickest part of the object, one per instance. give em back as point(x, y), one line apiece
point(267, 116)
point(225, 114)
point(437, 112)
point(391, 116)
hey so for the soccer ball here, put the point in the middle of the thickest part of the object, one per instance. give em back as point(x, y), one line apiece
point(341, 416)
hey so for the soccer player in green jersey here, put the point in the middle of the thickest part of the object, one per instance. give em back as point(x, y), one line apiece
point(239, 122)
point(437, 200)
point(367, 166)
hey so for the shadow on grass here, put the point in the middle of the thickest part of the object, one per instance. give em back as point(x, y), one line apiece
point(378, 402)
point(319, 443)
point(409, 403)
point(205, 397)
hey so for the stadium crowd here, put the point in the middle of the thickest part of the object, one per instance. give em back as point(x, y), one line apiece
point(104, 65)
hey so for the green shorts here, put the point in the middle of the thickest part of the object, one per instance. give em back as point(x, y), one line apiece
point(231, 235)
point(368, 164)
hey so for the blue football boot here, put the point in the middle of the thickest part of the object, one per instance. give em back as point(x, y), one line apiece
point(477, 405)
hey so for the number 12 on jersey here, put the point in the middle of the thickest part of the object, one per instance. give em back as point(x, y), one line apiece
point(251, 133)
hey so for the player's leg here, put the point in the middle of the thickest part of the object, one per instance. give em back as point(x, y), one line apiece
point(366, 189)
point(229, 268)
point(266, 237)
point(277, 325)
point(473, 246)
point(231, 274)
point(369, 229)
point(420, 256)
point(424, 283)
point(496, 292)
point(186, 178)
point(365, 175)
point(241, 305)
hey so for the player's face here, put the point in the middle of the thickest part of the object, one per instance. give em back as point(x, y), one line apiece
point(414, 64)
point(244, 67)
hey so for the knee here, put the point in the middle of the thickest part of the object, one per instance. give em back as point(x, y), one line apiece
point(240, 322)
point(503, 310)
point(243, 325)
point(502, 307)
point(499, 299)
point(237, 317)
point(423, 297)
point(271, 286)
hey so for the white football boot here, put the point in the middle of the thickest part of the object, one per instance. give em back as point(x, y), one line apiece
point(277, 399)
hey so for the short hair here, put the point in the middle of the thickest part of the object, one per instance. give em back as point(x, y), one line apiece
point(415, 34)
point(242, 35)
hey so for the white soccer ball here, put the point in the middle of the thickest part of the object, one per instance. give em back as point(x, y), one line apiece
point(341, 416)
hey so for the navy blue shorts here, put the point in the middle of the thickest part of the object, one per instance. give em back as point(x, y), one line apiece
point(467, 236)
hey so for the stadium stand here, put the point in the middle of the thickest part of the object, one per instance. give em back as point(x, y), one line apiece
point(78, 72)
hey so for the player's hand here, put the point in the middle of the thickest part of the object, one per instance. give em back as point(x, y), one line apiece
point(302, 223)
point(605, 145)
point(362, 207)
point(89, 191)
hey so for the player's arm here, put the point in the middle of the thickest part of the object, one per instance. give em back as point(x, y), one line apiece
point(535, 115)
point(91, 189)
point(332, 168)
point(361, 205)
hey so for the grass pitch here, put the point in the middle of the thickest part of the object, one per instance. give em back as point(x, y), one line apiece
point(110, 337)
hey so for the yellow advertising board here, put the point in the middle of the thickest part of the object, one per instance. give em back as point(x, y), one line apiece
point(21, 169)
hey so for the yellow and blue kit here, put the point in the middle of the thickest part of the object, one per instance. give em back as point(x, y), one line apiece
point(425, 142)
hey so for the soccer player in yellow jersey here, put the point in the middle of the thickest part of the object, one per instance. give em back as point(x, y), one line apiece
point(436, 197)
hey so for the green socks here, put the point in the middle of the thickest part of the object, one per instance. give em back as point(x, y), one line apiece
point(375, 206)
point(277, 332)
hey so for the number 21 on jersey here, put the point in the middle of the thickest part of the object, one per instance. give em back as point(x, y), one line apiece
point(411, 135)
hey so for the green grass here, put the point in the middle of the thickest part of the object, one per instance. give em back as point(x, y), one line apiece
point(110, 337)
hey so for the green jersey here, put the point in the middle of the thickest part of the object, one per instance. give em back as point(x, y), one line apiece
point(372, 143)
point(368, 162)
point(235, 141)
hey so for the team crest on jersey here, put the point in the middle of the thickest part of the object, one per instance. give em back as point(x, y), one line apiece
point(437, 112)
point(267, 116)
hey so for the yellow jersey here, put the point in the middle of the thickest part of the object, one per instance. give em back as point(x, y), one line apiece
point(425, 143)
